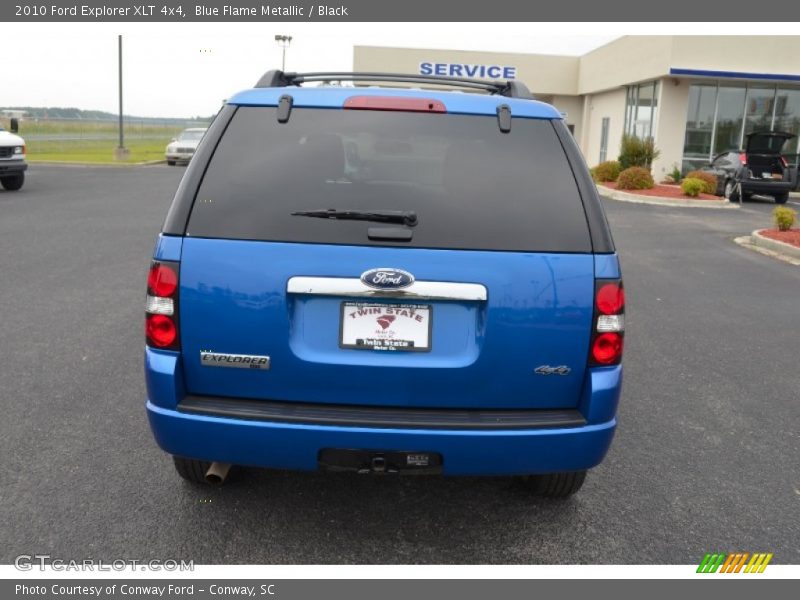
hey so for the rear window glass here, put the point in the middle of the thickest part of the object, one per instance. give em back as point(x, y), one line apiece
point(471, 186)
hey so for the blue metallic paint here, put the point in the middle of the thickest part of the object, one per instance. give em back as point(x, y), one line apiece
point(168, 247)
point(539, 311)
point(462, 103)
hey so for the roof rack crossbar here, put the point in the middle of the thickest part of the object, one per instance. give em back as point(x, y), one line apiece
point(511, 89)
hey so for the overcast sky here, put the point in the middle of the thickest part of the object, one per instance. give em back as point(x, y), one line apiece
point(182, 70)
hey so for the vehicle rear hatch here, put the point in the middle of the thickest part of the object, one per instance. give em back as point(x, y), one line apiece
point(763, 153)
point(500, 255)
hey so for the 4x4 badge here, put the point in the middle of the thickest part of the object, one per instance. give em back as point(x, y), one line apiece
point(548, 370)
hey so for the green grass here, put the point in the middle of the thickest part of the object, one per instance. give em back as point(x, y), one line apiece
point(96, 151)
point(93, 141)
point(133, 128)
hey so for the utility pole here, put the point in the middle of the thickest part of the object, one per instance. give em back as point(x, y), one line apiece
point(283, 42)
point(121, 152)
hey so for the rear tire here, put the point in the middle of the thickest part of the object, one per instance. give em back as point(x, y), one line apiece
point(555, 485)
point(171, 163)
point(191, 469)
point(731, 191)
point(781, 198)
point(12, 182)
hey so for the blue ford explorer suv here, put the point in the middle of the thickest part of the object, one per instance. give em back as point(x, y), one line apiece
point(386, 280)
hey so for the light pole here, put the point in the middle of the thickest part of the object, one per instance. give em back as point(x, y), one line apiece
point(283, 42)
point(121, 152)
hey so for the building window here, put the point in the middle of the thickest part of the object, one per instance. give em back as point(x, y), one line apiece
point(604, 139)
point(721, 115)
point(699, 126)
point(760, 103)
point(640, 109)
point(787, 118)
point(730, 113)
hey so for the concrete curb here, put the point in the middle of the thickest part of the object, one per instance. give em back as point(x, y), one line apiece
point(778, 247)
point(67, 163)
point(746, 241)
point(661, 201)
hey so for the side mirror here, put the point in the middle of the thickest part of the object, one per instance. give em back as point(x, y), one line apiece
point(14, 125)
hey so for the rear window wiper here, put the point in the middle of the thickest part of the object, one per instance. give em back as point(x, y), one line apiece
point(406, 217)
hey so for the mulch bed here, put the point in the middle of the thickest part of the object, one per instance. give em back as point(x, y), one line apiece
point(788, 237)
point(673, 192)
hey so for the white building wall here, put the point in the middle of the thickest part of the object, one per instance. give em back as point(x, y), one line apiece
point(573, 107)
point(609, 104)
point(670, 131)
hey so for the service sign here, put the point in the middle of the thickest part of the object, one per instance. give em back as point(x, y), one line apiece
point(386, 327)
point(468, 70)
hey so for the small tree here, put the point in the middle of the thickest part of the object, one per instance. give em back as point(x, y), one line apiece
point(637, 152)
point(784, 217)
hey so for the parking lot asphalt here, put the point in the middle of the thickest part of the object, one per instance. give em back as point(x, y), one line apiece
point(706, 458)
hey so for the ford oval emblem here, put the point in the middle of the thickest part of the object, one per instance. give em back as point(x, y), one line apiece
point(387, 279)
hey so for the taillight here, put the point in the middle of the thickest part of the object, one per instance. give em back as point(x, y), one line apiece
point(162, 280)
point(743, 158)
point(161, 330)
point(161, 309)
point(608, 334)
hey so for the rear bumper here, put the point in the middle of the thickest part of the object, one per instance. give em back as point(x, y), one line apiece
point(296, 445)
point(768, 188)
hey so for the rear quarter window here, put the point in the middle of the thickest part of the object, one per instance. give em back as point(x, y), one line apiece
point(472, 186)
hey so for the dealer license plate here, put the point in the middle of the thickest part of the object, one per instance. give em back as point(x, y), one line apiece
point(386, 327)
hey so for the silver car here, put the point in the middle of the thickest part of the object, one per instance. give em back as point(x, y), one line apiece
point(181, 149)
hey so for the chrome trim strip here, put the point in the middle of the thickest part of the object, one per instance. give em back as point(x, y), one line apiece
point(419, 290)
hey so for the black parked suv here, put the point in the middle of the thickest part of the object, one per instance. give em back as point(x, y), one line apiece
point(759, 169)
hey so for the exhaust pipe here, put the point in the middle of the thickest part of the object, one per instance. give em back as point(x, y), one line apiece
point(217, 473)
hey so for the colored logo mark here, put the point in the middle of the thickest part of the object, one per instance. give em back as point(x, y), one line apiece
point(735, 562)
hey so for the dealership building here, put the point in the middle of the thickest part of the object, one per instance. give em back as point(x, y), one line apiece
point(696, 96)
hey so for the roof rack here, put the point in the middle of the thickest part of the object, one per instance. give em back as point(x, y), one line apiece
point(510, 89)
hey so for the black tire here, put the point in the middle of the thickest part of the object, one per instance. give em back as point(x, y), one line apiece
point(12, 182)
point(731, 191)
point(191, 469)
point(171, 163)
point(555, 485)
point(781, 198)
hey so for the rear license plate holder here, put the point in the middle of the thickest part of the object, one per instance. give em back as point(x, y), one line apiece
point(385, 327)
point(380, 462)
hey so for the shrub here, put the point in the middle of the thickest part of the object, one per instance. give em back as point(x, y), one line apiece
point(636, 152)
point(635, 178)
point(606, 171)
point(691, 186)
point(784, 217)
point(676, 173)
point(707, 178)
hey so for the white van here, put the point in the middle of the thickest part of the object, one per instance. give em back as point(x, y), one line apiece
point(12, 160)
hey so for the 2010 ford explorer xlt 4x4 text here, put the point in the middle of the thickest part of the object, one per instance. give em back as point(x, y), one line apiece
point(386, 280)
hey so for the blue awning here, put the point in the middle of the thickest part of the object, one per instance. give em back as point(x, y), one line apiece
point(735, 75)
